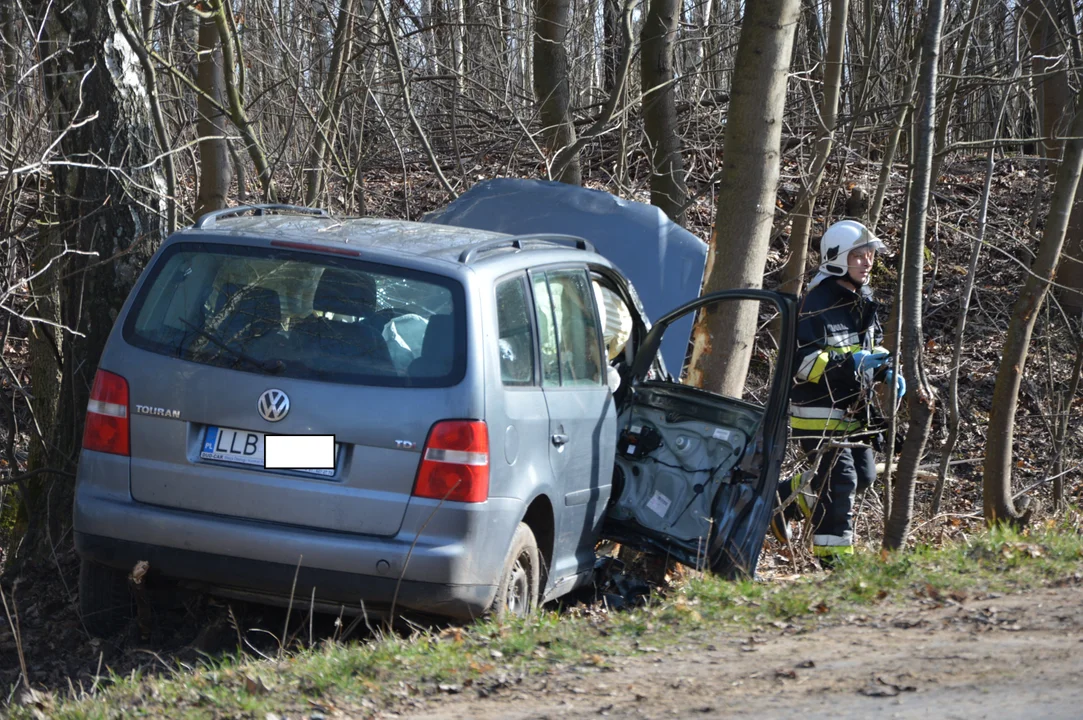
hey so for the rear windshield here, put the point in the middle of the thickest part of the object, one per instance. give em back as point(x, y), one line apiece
point(302, 315)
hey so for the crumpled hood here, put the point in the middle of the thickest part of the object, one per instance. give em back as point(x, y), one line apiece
point(664, 261)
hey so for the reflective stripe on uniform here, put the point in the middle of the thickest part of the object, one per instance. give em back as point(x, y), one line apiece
point(813, 411)
point(799, 497)
point(832, 550)
point(825, 424)
point(847, 538)
point(810, 417)
point(812, 367)
point(819, 366)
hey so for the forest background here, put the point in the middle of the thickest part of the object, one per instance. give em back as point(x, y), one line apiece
point(950, 127)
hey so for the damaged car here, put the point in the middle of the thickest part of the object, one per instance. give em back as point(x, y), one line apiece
point(694, 471)
point(395, 417)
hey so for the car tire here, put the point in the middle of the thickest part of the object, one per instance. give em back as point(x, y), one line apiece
point(105, 602)
point(520, 583)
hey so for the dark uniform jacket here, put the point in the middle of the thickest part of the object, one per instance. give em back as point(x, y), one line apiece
point(833, 323)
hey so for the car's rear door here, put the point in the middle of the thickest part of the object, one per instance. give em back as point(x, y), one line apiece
point(582, 417)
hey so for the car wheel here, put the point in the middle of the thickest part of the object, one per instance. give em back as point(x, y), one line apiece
point(105, 603)
point(517, 594)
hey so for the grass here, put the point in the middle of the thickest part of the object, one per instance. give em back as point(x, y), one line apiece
point(357, 678)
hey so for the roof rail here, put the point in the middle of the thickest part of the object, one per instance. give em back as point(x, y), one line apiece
point(519, 241)
point(211, 219)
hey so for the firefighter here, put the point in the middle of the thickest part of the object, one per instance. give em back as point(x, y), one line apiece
point(838, 360)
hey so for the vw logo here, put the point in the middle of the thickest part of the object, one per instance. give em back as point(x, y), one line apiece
point(273, 405)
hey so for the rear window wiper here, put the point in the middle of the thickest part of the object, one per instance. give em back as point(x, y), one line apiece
point(269, 366)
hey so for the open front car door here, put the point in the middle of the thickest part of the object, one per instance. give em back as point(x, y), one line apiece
point(696, 472)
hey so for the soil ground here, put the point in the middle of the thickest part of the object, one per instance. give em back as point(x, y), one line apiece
point(1012, 656)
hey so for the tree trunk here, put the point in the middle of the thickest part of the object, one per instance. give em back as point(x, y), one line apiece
point(964, 308)
point(814, 38)
point(8, 46)
point(747, 188)
point(234, 73)
point(794, 272)
point(214, 160)
point(552, 86)
point(611, 43)
point(136, 29)
point(457, 54)
point(117, 216)
point(325, 129)
point(659, 32)
point(1071, 271)
point(45, 343)
point(46, 347)
point(922, 398)
point(1054, 95)
point(996, 478)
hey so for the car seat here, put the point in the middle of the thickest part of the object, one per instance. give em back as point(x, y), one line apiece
point(251, 312)
point(346, 345)
point(437, 349)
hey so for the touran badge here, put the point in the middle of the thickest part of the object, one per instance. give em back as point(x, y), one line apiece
point(273, 405)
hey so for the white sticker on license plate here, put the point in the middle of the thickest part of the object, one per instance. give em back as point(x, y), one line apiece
point(244, 447)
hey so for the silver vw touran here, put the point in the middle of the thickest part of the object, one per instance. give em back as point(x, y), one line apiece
point(399, 416)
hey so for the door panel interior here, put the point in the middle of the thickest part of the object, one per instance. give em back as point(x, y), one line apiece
point(674, 455)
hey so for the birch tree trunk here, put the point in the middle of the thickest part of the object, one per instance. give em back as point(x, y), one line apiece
point(922, 397)
point(748, 184)
point(214, 159)
point(99, 102)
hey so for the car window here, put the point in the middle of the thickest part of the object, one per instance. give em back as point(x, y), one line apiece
point(572, 318)
point(547, 332)
point(301, 315)
point(516, 336)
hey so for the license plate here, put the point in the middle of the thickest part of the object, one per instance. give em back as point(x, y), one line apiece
point(243, 447)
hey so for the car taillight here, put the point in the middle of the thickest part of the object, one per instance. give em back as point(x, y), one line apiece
point(455, 462)
point(107, 415)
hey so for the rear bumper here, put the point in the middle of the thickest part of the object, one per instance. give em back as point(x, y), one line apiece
point(449, 557)
point(275, 581)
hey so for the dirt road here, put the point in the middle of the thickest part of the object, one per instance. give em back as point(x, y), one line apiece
point(1016, 656)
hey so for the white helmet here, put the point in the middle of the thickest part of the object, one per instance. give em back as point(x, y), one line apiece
point(839, 240)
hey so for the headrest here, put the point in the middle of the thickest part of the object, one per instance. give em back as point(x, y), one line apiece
point(344, 292)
